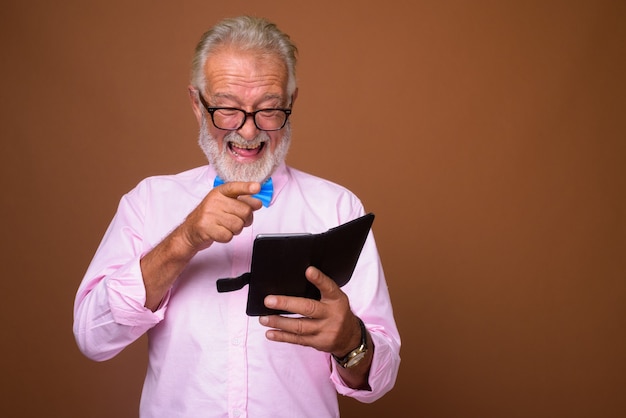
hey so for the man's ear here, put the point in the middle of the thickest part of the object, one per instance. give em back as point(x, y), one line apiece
point(195, 103)
point(294, 96)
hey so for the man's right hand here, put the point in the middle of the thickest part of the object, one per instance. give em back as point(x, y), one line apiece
point(222, 214)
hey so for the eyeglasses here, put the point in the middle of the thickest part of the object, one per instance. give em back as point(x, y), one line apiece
point(232, 118)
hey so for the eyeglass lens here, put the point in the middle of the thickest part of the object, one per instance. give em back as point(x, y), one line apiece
point(268, 119)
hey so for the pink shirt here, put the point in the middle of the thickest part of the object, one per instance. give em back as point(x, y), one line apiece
point(207, 358)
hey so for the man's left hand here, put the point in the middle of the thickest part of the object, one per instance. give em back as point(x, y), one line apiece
point(327, 325)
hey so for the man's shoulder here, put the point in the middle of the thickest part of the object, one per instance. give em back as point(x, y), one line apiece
point(193, 175)
point(318, 189)
point(314, 180)
point(195, 180)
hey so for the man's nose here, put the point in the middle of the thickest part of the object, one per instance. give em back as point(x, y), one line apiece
point(248, 131)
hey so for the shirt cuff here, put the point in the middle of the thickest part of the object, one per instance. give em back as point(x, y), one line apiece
point(382, 374)
point(127, 297)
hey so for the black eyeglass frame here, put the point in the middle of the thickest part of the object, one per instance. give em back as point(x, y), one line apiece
point(211, 110)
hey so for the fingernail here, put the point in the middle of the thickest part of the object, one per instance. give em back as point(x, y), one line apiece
point(263, 320)
point(270, 301)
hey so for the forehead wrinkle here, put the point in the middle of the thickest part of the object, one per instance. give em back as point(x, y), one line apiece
point(244, 101)
point(230, 96)
point(245, 78)
point(244, 71)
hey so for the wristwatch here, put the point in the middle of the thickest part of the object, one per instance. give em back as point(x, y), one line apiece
point(355, 356)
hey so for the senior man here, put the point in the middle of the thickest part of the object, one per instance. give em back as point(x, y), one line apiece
point(174, 236)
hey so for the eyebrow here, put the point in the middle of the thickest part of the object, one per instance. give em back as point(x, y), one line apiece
point(266, 98)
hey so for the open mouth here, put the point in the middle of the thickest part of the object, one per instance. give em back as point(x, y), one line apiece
point(246, 150)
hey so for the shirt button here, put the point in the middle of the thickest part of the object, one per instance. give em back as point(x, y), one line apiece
point(236, 413)
point(236, 341)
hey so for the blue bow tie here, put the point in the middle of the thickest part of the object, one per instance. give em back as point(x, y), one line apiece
point(265, 195)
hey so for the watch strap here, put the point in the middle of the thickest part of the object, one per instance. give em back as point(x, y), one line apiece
point(355, 356)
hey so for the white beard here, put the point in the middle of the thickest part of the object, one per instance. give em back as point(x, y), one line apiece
point(229, 169)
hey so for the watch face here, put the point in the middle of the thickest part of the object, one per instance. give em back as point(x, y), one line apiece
point(356, 359)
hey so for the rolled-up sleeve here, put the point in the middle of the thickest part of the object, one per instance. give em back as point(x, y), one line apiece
point(383, 371)
point(109, 312)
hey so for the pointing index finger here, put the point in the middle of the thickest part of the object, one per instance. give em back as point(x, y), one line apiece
point(234, 189)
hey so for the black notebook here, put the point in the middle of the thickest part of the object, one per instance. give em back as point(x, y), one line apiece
point(279, 262)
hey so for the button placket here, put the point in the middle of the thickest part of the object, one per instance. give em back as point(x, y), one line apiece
point(238, 328)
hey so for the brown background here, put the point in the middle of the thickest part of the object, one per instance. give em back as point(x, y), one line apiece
point(487, 136)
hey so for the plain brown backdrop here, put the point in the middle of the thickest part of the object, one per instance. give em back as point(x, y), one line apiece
point(487, 136)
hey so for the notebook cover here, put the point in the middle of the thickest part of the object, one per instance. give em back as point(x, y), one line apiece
point(279, 262)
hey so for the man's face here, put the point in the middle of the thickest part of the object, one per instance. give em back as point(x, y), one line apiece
point(248, 81)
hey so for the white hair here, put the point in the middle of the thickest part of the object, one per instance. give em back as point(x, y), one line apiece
point(245, 33)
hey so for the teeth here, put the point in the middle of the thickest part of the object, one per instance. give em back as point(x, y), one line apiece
point(245, 146)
